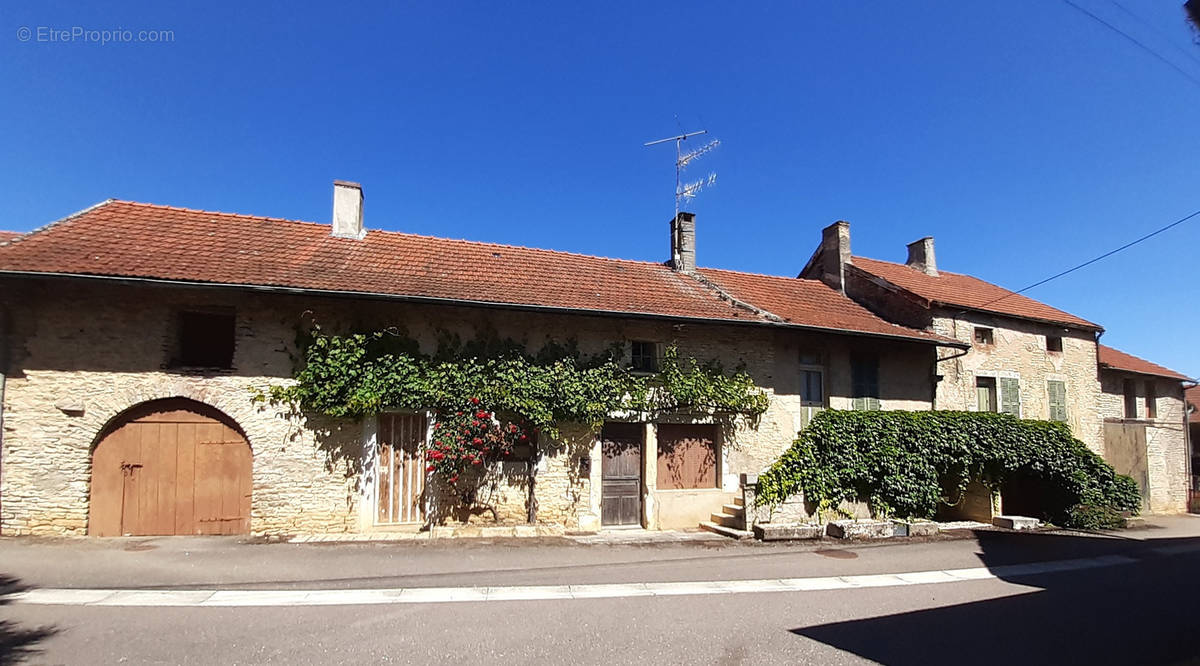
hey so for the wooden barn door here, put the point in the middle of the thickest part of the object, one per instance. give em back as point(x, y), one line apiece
point(621, 474)
point(171, 467)
point(399, 468)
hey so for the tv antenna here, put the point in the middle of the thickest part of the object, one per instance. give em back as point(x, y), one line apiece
point(688, 191)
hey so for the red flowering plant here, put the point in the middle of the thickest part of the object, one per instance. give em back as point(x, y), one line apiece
point(465, 439)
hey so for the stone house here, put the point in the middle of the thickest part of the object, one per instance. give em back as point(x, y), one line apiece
point(1192, 395)
point(1146, 428)
point(134, 337)
point(1025, 358)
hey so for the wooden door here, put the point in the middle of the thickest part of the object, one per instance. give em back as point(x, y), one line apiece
point(1125, 450)
point(621, 474)
point(171, 467)
point(399, 468)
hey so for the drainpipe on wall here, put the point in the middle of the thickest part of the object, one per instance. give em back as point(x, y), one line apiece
point(4, 317)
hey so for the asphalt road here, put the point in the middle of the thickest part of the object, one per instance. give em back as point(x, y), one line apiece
point(1140, 612)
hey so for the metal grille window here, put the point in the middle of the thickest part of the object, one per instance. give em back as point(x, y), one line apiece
point(1057, 391)
point(864, 382)
point(645, 356)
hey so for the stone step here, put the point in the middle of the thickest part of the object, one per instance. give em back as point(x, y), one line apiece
point(739, 501)
point(740, 535)
point(733, 509)
point(728, 520)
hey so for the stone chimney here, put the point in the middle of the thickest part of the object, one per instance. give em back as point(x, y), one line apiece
point(683, 243)
point(921, 257)
point(347, 210)
point(835, 254)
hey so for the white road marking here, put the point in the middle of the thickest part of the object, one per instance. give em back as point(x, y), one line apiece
point(426, 595)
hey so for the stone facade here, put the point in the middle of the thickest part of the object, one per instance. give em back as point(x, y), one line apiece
point(81, 352)
point(1166, 454)
point(1019, 350)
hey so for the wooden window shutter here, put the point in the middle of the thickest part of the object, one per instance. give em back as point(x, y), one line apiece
point(1010, 396)
point(1058, 399)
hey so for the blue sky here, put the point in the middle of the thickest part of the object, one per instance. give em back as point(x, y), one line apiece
point(1023, 136)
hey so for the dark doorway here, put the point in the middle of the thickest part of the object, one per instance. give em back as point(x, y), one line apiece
point(621, 474)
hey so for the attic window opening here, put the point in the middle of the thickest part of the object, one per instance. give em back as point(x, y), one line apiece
point(1054, 343)
point(644, 356)
point(204, 340)
point(984, 335)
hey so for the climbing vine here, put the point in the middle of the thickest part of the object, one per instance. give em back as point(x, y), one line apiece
point(490, 395)
point(905, 463)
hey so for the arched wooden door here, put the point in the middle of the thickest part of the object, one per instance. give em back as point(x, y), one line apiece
point(171, 467)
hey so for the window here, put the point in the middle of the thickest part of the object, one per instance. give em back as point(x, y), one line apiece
point(984, 335)
point(1054, 343)
point(864, 382)
point(812, 380)
point(645, 356)
point(1151, 400)
point(205, 340)
point(985, 394)
point(1010, 396)
point(1057, 391)
point(1130, 389)
point(687, 457)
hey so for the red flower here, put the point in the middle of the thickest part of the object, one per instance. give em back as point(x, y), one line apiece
point(477, 441)
point(477, 461)
point(523, 438)
point(458, 413)
point(474, 401)
point(512, 427)
point(481, 414)
point(430, 468)
point(475, 423)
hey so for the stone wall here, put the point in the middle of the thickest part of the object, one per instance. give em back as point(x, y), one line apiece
point(1019, 350)
point(1167, 455)
point(83, 352)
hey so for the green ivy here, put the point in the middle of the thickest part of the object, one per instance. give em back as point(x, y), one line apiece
point(361, 374)
point(905, 463)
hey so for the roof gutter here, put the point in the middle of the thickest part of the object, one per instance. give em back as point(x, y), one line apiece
point(434, 300)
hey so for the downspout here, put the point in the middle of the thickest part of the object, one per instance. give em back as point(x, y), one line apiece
point(1187, 438)
point(4, 317)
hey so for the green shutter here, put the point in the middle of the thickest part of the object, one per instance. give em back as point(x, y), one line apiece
point(1010, 396)
point(1058, 399)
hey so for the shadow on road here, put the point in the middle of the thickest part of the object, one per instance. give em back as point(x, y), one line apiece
point(1139, 613)
point(18, 643)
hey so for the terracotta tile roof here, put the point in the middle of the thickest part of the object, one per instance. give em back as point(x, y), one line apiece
point(805, 302)
point(136, 240)
point(964, 291)
point(6, 236)
point(1119, 360)
point(1193, 396)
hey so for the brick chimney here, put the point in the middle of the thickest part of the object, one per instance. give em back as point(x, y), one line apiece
point(348, 210)
point(921, 256)
point(835, 254)
point(683, 243)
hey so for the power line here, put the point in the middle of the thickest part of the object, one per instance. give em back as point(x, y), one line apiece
point(1110, 253)
point(1137, 43)
point(1166, 38)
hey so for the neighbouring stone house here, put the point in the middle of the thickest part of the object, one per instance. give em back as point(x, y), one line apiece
point(1024, 358)
point(135, 336)
point(1146, 428)
point(1192, 395)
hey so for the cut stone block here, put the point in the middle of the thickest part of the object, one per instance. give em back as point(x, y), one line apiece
point(915, 528)
point(860, 529)
point(1016, 522)
point(787, 531)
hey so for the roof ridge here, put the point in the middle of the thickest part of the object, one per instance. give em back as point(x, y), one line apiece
point(767, 275)
point(389, 232)
point(917, 270)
